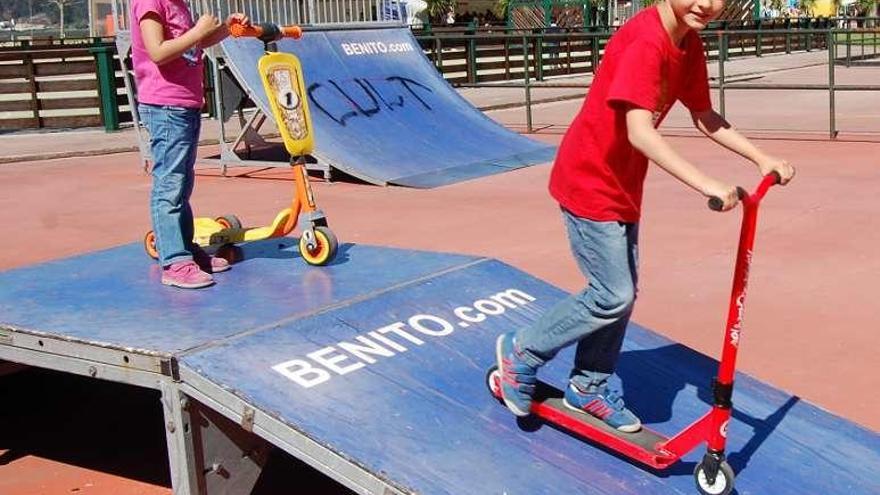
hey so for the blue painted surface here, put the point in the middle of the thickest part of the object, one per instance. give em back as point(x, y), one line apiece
point(422, 417)
point(114, 297)
point(425, 418)
point(389, 117)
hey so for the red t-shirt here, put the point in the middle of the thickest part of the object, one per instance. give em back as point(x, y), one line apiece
point(598, 174)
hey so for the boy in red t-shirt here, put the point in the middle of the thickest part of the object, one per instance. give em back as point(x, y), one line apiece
point(653, 60)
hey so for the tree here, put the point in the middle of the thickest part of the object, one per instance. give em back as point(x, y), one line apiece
point(61, 4)
point(438, 8)
point(866, 8)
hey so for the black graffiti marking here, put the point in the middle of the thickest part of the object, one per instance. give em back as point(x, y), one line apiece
point(405, 81)
point(398, 103)
point(340, 120)
point(319, 92)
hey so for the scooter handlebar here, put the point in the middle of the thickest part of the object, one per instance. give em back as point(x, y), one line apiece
point(266, 32)
point(771, 179)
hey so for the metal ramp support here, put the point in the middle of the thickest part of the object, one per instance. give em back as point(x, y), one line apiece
point(207, 453)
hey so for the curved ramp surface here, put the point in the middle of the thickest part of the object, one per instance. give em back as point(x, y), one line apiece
point(372, 370)
point(382, 112)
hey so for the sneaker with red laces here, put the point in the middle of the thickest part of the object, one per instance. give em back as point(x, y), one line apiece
point(210, 263)
point(518, 379)
point(186, 275)
point(605, 404)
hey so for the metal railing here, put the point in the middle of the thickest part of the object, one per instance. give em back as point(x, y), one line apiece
point(307, 12)
point(829, 37)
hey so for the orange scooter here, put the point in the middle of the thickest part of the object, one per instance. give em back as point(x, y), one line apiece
point(282, 78)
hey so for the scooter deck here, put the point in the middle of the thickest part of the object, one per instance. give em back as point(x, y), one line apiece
point(645, 445)
point(550, 407)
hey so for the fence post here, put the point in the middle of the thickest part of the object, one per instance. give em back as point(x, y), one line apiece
point(759, 38)
point(788, 35)
point(539, 57)
point(527, 84)
point(809, 35)
point(106, 85)
point(471, 53)
point(722, 55)
point(848, 46)
point(594, 51)
point(832, 124)
point(438, 54)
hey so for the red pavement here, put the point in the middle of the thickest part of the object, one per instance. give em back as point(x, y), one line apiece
point(810, 325)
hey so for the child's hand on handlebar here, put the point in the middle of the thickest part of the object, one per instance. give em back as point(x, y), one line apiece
point(726, 193)
point(206, 25)
point(238, 18)
point(770, 164)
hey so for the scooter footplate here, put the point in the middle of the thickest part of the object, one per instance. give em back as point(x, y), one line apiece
point(550, 407)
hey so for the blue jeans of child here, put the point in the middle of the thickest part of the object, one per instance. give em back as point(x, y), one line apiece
point(174, 137)
point(596, 317)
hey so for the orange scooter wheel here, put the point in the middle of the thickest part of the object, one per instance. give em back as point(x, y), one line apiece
point(324, 250)
point(150, 245)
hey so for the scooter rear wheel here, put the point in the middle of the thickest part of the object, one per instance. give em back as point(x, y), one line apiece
point(150, 245)
point(324, 250)
point(723, 481)
point(493, 381)
point(229, 221)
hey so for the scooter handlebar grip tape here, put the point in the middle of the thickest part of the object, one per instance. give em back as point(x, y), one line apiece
point(238, 30)
point(716, 204)
point(294, 32)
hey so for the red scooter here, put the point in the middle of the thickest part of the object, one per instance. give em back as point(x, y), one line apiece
point(713, 474)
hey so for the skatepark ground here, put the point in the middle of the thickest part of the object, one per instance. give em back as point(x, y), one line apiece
point(809, 326)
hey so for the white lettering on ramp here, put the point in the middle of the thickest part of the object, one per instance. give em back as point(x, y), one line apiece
point(375, 48)
point(385, 342)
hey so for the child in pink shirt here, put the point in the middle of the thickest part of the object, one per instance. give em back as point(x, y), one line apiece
point(167, 56)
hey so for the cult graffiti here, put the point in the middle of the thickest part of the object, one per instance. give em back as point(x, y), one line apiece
point(362, 97)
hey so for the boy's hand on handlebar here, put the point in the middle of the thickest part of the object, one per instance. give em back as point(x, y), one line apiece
point(770, 164)
point(726, 193)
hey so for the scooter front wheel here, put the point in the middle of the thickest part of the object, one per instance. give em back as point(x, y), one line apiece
point(150, 245)
point(324, 249)
point(723, 480)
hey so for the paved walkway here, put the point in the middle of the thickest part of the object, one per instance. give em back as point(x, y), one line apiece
point(31, 146)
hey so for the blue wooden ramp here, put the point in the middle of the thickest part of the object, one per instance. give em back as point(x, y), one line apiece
point(372, 370)
point(383, 113)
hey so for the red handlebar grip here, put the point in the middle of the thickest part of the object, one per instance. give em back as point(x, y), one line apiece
point(294, 32)
point(238, 30)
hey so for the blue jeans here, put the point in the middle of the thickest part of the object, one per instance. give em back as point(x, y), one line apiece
point(174, 137)
point(596, 317)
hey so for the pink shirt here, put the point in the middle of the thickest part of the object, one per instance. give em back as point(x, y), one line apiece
point(178, 82)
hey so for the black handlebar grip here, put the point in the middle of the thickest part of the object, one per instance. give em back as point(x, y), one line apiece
point(271, 32)
point(716, 204)
point(777, 177)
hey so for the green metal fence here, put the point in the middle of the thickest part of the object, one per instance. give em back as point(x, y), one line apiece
point(483, 56)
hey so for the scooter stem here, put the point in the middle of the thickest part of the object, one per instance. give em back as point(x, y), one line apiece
point(723, 385)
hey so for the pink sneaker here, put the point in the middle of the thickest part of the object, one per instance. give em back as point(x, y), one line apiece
point(186, 275)
point(210, 263)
